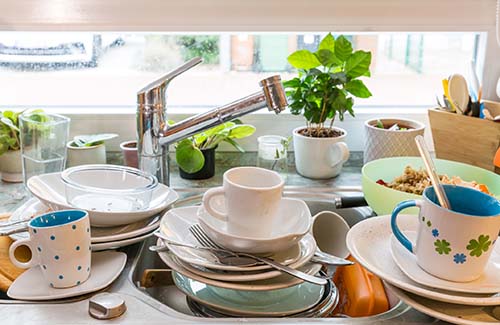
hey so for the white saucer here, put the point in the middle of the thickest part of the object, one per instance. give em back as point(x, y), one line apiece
point(280, 282)
point(292, 223)
point(175, 225)
point(369, 242)
point(489, 282)
point(453, 313)
point(34, 207)
point(106, 267)
point(120, 243)
point(49, 188)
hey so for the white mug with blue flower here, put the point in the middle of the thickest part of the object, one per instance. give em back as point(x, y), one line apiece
point(60, 245)
point(453, 244)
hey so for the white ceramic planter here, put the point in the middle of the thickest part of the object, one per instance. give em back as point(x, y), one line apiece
point(319, 157)
point(129, 152)
point(11, 166)
point(85, 155)
point(382, 143)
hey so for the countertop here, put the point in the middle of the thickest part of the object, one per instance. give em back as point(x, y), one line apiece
point(13, 195)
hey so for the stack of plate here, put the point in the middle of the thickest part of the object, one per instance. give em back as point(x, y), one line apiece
point(110, 229)
point(220, 290)
point(372, 244)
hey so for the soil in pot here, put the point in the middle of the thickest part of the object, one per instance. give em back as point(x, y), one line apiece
point(208, 169)
point(320, 132)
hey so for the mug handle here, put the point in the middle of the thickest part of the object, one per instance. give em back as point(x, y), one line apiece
point(394, 226)
point(23, 265)
point(344, 153)
point(207, 198)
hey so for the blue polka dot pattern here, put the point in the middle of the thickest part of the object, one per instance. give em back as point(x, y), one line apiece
point(77, 282)
point(44, 267)
point(88, 269)
point(39, 248)
point(56, 257)
point(90, 248)
point(79, 267)
point(52, 237)
point(77, 248)
point(34, 230)
point(73, 227)
point(51, 284)
point(88, 229)
point(61, 277)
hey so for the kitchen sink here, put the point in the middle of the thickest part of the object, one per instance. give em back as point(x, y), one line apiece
point(147, 287)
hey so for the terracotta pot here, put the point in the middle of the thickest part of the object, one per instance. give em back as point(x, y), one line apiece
point(129, 151)
point(11, 166)
point(208, 169)
point(319, 158)
point(85, 155)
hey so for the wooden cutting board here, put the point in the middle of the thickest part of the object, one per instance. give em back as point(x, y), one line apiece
point(8, 272)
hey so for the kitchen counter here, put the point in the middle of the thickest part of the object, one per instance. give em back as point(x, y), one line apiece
point(13, 195)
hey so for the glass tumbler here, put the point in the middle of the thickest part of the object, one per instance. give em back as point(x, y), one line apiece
point(43, 143)
point(272, 153)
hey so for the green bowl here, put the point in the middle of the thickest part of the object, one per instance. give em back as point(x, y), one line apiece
point(383, 199)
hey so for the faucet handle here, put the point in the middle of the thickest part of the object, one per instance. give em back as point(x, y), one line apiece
point(274, 93)
point(154, 93)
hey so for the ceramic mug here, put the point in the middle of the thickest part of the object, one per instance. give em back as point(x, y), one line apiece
point(454, 244)
point(60, 244)
point(252, 197)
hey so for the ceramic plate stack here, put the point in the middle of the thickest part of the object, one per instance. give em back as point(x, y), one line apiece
point(372, 244)
point(220, 290)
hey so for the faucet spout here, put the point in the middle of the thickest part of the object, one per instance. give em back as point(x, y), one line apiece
point(155, 135)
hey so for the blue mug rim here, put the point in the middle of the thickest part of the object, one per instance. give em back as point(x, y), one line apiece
point(59, 212)
point(467, 189)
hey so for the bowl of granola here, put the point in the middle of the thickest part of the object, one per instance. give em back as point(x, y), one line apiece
point(388, 181)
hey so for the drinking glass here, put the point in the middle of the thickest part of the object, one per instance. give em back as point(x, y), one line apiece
point(272, 153)
point(43, 143)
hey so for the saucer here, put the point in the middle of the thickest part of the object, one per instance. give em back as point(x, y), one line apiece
point(120, 243)
point(453, 313)
point(31, 285)
point(489, 282)
point(280, 282)
point(34, 207)
point(276, 303)
point(49, 188)
point(292, 223)
point(369, 242)
point(175, 225)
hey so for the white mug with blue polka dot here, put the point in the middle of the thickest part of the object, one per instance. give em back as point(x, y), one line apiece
point(60, 245)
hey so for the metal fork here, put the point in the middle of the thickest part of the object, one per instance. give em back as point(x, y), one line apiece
point(203, 238)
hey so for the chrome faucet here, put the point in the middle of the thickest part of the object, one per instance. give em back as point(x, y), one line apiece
point(155, 135)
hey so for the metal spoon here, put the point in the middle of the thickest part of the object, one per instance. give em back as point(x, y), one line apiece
point(431, 170)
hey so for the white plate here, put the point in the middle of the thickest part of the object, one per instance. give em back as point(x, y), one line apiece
point(106, 267)
point(280, 282)
point(276, 303)
point(489, 282)
point(34, 207)
point(453, 313)
point(49, 188)
point(292, 223)
point(120, 243)
point(175, 225)
point(369, 242)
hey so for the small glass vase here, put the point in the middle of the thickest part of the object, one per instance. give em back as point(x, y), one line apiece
point(272, 153)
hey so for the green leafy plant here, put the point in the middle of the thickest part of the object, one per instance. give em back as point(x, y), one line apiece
point(188, 152)
point(326, 80)
point(90, 140)
point(9, 128)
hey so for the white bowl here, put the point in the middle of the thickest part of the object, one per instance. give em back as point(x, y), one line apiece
point(291, 224)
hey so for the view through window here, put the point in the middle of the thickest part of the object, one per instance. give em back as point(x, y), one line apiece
point(106, 70)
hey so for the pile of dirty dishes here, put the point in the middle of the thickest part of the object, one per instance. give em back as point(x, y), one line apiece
point(444, 263)
point(124, 204)
point(246, 215)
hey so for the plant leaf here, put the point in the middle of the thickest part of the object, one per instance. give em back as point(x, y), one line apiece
point(358, 89)
point(343, 48)
point(89, 140)
point(327, 58)
point(358, 64)
point(189, 157)
point(241, 131)
point(234, 144)
point(9, 123)
point(303, 59)
point(327, 43)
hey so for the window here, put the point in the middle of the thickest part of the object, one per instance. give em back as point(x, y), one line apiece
point(71, 69)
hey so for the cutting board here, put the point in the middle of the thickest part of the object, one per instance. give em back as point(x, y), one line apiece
point(8, 272)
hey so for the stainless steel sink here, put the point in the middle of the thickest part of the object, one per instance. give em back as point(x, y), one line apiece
point(152, 297)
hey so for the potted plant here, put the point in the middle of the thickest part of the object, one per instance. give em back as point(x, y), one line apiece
point(196, 155)
point(88, 149)
point(129, 153)
point(327, 81)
